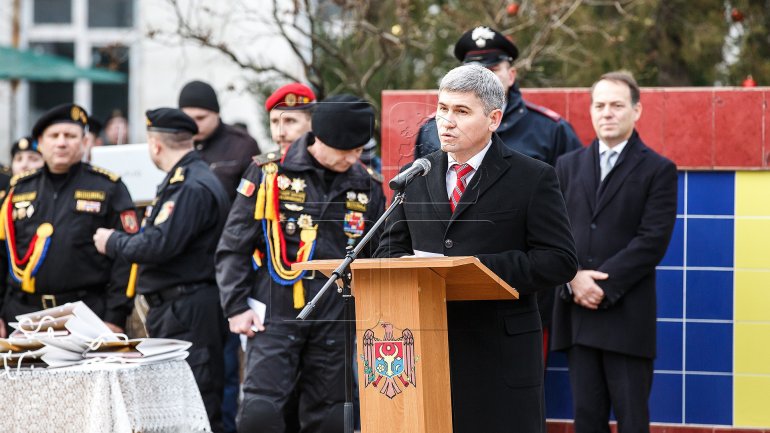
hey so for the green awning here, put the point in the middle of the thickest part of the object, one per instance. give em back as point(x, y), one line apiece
point(28, 65)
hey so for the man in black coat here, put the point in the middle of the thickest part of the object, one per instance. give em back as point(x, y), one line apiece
point(482, 199)
point(175, 253)
point(528, 128)
point(621, 198)
point(227, 149)
point(313, 203)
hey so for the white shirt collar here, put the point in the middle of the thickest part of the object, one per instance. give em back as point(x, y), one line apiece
point(474, 162)
point(618, 148)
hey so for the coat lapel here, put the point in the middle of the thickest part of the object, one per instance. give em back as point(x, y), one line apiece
point(436, 181)
point(589, 178)
point(629, 159)
point(492, 167)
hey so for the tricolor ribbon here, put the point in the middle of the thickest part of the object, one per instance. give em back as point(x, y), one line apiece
point(24, 269)
point(278, 265)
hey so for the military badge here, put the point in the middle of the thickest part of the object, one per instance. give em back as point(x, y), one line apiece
point(283, 182)
point(354, 224)
point(30, 211)
point(298, 185)
point(129, 221)
point(25, 196)
point(23, 144)
point(81, 194)
point(291, 226)
point(305, 221)
point(246, 188)
point(294, 207)
point(178, 176)
point(88, 206)
point(389, 361)
point(165, 213)
point(481, 35)
point(353, 201)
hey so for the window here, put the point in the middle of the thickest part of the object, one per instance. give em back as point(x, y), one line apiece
point(110, 13)
point(52, 11)
point(106, 98)
point(45, 95)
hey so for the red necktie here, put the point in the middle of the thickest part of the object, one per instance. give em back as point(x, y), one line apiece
point(463, 172)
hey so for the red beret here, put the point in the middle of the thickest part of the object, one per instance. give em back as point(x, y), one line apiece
point(294, 96)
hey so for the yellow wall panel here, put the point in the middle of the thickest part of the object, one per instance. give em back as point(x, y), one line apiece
point(751, 401)
point(752, 238)
point(752, 296)
point(752, 189)
point(751, 348)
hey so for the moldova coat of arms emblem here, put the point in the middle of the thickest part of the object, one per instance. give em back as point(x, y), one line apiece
point(389, 361)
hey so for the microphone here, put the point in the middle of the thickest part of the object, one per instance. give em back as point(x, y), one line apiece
point(420, 167)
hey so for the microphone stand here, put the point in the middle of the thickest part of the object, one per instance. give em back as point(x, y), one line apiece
point(343, 272)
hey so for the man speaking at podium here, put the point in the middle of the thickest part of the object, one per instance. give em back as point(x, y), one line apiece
point(482, 199)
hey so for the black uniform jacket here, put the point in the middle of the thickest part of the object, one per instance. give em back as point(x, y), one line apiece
point(88, 198)
point(353, 193)
point(527, 128)
point(512, 217)
point(228, 151)
point(622, 226)
point(181, 230)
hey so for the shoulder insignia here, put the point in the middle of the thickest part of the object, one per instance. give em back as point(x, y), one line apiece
point(374, 174)
point(23, 176)
point(113, 177)
point(545, 111)
point(265, 158)
point(178, 176)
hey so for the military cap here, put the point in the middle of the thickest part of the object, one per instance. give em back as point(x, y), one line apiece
point(485, 46)
point(294, 96)
point(170, 120)
point(65, 113)
point(197, 94)
point(343, 122)
point(24, 144)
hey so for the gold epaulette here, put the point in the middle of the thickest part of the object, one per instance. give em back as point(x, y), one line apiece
point(374, 174)
point(265, 158)
point(114, 177)
point(178, 176)
point(24, 175)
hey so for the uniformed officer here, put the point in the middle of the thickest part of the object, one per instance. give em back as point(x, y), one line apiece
point(25, 156)
point(174, 252)
point(528, 128)
point(48, 220)
point(289, 108)
point(315, 203)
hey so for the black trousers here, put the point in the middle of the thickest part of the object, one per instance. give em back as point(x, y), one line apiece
point(294, 362)
point(197, 317)
point(602, 380)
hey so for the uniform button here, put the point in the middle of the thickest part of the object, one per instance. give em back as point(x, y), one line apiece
point(199, 147)
point(593, 226)
point(590, 260)
point(448, 243)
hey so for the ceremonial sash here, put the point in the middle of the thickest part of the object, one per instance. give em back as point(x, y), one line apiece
point(267, 211)
point(23, 270)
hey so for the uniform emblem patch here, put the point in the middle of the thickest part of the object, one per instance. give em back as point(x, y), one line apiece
point(246, 188)
point(129, 221)
point(165, 213)
point(389, 361)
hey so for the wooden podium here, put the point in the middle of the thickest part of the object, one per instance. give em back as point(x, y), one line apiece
point(401, 335)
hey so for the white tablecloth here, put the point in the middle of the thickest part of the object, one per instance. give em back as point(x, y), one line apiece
point(102, 398)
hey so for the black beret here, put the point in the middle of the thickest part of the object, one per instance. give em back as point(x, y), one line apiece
point(485, 46)
point(343, 122)
point(24, 144)
point(170, 120)
point(199, 95)
point(65, 113)
point(94, 126)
